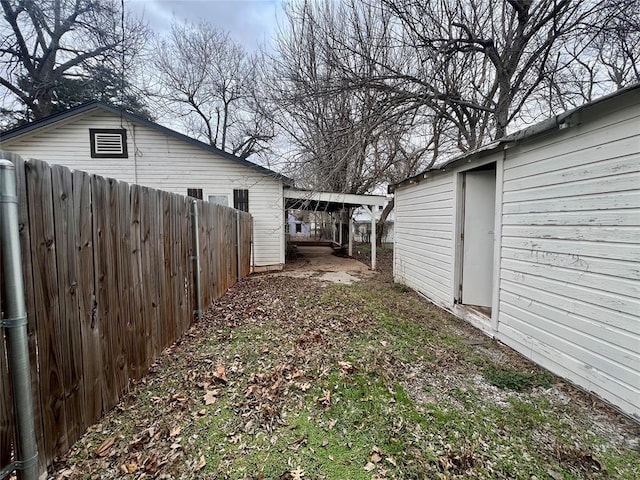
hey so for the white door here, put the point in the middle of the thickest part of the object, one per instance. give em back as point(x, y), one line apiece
point(479, 221)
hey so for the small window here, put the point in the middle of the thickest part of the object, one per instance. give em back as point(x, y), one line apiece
point(108, 143)
point(219, 200)
point(241, 200)
point(195, 193)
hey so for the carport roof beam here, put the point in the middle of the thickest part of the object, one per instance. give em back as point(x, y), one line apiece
point(331, 201)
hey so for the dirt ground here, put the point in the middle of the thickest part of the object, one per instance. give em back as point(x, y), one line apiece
point(305, 375)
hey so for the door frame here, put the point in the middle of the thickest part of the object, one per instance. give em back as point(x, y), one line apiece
point(458, 228)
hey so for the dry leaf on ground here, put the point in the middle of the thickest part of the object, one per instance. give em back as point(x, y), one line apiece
point(210, 397)
point(220, 374)
point(201, 463)
point(103, 449)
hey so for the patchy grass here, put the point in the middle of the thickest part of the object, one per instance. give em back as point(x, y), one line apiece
point(292, 378)
point(513, 379)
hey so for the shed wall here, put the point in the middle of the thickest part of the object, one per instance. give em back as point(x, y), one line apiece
point(568, 238)
point(423, 255)
point(163, 162)
point(570, 271)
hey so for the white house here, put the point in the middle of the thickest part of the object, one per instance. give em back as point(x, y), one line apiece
point(535, 240)
point(106, 141)
point(362, 224)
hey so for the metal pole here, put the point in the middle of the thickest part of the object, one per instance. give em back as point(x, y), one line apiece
point(196, 258)
point(350, 232)
point(373, 237)
point(15, 325)
point(238, 243)
point(253, 251)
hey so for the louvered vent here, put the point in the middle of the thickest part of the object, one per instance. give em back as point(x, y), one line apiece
point(108, 143)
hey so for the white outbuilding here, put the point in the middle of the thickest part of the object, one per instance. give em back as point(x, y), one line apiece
point(535, 240)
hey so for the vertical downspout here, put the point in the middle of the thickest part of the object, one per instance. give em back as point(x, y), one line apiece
point(196, 258)
point(15, 325)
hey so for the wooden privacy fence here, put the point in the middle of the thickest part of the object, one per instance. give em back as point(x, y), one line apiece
point(109, 282)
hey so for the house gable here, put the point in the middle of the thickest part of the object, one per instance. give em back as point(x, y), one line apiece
point(162, 159)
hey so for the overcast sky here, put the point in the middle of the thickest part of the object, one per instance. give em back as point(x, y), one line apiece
point(250, 22)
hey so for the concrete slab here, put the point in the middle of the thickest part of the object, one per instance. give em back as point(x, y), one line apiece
point(320, 263)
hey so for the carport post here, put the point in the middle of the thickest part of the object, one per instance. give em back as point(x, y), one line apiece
point(350, 232)
point(373, 237)
point(333, 228)
point(340, 234)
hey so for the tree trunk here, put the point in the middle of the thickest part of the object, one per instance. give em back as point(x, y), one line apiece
point(383, 218)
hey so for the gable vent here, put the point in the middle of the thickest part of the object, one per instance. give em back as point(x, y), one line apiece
point(108, 143)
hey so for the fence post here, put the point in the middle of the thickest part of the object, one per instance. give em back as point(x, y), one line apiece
point(15, 325)
point(238, 247)
point(195, 256)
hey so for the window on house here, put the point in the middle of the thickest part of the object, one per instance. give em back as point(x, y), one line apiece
point(108, 143)
point(219, 200)
point(195, 193)
point(241, 200)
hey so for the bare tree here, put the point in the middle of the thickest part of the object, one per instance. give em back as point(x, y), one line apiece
point(43, 43)
point(348, 136)
point(208, 81)
point(490, 58)
point(373, 90)
point(605, 58)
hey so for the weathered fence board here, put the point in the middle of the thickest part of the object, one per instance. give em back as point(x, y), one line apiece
point(68, 319)
point(108, 284)
point(136, 340)
point(85, 291)
point(46, 306)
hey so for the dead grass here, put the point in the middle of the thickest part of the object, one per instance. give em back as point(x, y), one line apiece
point(296, 378)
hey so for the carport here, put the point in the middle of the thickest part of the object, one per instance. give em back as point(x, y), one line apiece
point(334, 202)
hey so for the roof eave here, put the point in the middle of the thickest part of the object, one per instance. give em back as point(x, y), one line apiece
point(97, 105)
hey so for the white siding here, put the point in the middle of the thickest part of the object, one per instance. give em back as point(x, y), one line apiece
point(568, 248)
point(164, 162)
point(570, 277)
point(423, 256)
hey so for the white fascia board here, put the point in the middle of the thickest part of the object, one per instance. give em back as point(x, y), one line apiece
point(335, 197)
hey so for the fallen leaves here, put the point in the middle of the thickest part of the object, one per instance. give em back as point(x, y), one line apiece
point(200, 464)
point(220, 374)
point(103, 449)
point(210, 397)
point(129, 467)
point(346, 367)
point(297, 474)
point(248, 384)
point(325, 400)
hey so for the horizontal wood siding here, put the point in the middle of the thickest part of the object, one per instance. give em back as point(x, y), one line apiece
point(570, 271)
point(423, 256)
point(165, 163)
